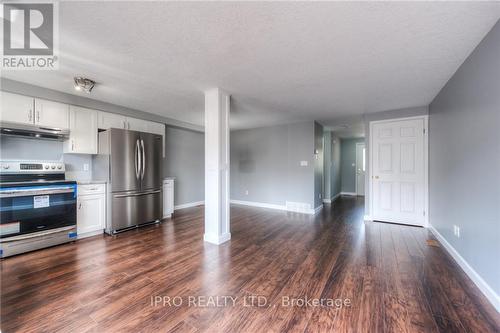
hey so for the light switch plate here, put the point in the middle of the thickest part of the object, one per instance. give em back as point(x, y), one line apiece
point(304, 163)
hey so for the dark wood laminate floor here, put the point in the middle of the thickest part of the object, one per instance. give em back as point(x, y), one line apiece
point(393, 280)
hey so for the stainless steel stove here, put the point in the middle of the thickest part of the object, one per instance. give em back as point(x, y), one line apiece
point(37, 206)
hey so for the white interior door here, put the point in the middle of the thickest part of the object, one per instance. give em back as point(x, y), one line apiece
point(360, 168)
point(398, 178)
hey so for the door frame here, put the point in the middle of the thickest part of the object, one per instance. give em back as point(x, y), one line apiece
point(425, 118)
point(356, 163)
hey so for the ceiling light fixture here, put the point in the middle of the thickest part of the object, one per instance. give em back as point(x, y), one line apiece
point(82, 83)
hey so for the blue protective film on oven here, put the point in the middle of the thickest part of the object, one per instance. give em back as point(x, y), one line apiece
point(18, 205)
point(74, 186)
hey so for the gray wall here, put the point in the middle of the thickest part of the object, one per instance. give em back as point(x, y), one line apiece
point(318, 164)
point(184, 160)
point(266, 163)
point(384, 115)
point(335, 185)
point(331, 165)
point(327, 164)
point(348, 158)
point(464, 142)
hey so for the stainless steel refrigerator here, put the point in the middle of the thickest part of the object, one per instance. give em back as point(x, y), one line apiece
point(131, 163)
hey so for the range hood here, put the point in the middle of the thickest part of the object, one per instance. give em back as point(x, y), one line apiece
point(33, 132)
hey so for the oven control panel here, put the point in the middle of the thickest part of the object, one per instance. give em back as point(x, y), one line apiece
point(31, 167)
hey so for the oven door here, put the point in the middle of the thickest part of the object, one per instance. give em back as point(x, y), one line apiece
point(35, 208)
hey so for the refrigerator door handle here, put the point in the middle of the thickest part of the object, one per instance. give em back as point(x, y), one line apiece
point(137, 160)
point(136, 194)
point(143, 159)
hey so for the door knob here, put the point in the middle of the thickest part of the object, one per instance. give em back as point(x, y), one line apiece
point(376, 177)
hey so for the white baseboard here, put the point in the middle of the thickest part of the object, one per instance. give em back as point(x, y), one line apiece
point(318, 209)
point(277, 207)
point(90, 234)
point(367, 218)
point(257, 204)
point(189, 204)
point(332, 199)
point(487, 291)
point(335, 197)
point(216, 239)
point(352, 194)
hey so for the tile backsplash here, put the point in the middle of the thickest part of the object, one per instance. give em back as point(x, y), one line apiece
point(15, 148)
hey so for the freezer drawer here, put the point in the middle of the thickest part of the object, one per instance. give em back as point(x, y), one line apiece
point(132, 209)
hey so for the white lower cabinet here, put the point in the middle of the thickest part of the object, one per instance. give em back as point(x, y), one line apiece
point(168, 197)
point(91, 210)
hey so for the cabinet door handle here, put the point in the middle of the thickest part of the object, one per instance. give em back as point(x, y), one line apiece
point(30, 115)
point(80, 206)
point(73, 145)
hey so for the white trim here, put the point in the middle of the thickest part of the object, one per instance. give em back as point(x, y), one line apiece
point(335, 197)
point(331, 200)
point(90, 234)
point(356, 170)
point(425, 118)
point(487, 291)
point(258, 204)
point(216, 239)
point(318, 209)
point(189, 205)
point(352, 194)
point(273, 206)
point(367, 218)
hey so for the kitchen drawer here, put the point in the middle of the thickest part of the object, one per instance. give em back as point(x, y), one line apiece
point(88, 189)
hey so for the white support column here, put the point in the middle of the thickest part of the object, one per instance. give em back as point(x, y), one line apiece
point(216, 167)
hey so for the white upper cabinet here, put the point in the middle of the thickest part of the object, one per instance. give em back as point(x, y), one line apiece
point(156, 128)
point(135, 124)
point(108, 120)
point(83, 131)
point(51, 114)
point(17, 108)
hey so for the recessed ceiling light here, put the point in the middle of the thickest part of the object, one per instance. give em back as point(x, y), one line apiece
point(82, 83)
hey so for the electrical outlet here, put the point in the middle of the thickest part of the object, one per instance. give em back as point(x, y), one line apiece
point(246, 192)
point(456, 231)
point(319, 195)
point(86, 167)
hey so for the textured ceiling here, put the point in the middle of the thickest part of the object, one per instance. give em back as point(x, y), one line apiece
point(282, 62)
